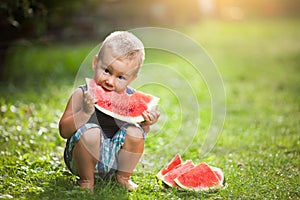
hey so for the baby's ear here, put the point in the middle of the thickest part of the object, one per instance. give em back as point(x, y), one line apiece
point(95, 62)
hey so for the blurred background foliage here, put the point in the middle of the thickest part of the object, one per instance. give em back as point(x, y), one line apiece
point(61, 21)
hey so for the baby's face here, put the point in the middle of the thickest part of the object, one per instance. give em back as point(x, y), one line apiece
point(114, 74)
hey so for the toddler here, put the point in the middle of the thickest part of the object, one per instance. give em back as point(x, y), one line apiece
point(98, 144)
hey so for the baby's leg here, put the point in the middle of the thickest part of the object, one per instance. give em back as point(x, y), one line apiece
point(86, 155)
point(130, 155)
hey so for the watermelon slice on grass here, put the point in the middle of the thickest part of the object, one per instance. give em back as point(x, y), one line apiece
point(186, 175)
point(122, 106)
point(199, 178)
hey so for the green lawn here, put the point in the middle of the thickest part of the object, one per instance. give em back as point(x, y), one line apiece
point(258, 149)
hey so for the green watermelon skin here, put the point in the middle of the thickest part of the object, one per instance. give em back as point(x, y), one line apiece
point(200, 178)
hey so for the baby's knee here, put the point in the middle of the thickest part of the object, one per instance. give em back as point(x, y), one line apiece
point(135, 132)
point(91, 137)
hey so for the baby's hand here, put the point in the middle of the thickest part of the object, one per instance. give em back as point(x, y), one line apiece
point(150, 117)
point(88, 103)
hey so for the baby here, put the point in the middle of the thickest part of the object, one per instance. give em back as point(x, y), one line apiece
point(98, 144)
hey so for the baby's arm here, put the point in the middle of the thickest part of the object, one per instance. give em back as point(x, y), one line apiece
point(78, 111)
point(151, 118)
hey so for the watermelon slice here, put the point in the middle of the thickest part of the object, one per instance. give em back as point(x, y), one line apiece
point(188, 176)
point(201, 177)
point(122, 106)
point(169, 177)
point(174, 162)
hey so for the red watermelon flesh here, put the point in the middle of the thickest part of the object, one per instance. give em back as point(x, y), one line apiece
point(169, 177)
point(199, 178)
point(174, 162)
point(122, 106)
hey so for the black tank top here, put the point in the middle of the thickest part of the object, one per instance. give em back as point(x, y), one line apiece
point(108, 124)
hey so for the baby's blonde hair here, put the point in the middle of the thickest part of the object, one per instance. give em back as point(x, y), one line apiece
point(123, 45)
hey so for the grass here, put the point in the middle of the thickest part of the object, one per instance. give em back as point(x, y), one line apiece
point(258, 149)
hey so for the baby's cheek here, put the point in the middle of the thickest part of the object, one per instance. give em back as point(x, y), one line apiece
point(120, 88)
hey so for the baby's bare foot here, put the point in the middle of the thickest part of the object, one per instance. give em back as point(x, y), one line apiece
point(126, 182)
point(86, 184)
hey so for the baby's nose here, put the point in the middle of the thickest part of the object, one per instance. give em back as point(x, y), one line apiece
point(110, 81)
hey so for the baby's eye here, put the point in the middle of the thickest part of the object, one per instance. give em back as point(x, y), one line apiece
point(106, 71)
point(121, 77)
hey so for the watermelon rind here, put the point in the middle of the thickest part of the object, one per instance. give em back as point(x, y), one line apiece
point(172, 164)
point(151, 105)
point(200, 188)
point(219, 173)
